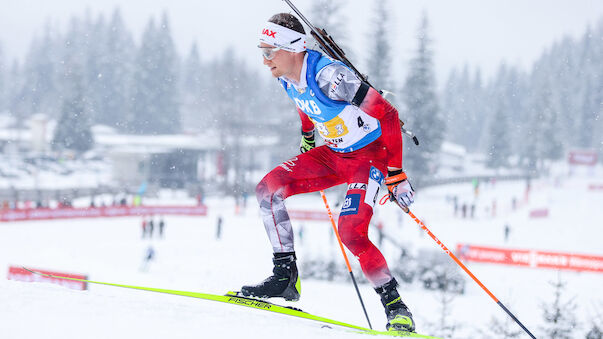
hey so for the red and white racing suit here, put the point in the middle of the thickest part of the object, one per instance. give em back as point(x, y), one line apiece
point(321, 168)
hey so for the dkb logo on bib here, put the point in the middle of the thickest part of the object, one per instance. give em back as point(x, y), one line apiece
point(308, 106)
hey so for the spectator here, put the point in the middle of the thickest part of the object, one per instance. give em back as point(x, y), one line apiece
point(219, 227)
point(149, 256)
point(300, 234)
point(455, 202)
point(151, 226)
point(507, 231)
point(475, 183)
point(144, 227)
point(161, 226)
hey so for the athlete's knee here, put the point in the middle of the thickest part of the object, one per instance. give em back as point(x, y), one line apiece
point(268, 186)
point(261, 191)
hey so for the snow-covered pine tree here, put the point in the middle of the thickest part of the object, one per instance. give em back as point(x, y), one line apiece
point(94, 42)
point(475, 100)
point(73, 127)
point(145, 89)
point(329, 15)
point(590, 93)
point(451, 105)
point(41, 90)
point(595, 332)
point(503, 329)
point(3, 79)
point(422, 110)
point(73, 131)
point(502, 96)
point(193, 92)
point(595, 327)
point(115, 69)
point(559, 315)
point(155, 108)
point(460, 107)
point(380, 56)
point(235, 92)
point(15, 94)
point(464, 126)
point(499, 148)
point(169, 63)
point(543, 140)
point(444, 326)
point(515, 102)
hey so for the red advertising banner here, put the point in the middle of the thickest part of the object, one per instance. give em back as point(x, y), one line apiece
point(98, 212)
point(310, 215)
point(539, 213)
point(595, 187)
point(583, 157)
point(531, 258)
point(20, 274)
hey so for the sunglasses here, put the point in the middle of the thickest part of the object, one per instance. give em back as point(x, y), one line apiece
point(269, 52)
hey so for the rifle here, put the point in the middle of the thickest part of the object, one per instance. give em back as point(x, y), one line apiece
point(330, 47)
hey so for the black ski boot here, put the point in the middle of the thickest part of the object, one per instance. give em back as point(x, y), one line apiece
point(399, 317)
point(283, 283)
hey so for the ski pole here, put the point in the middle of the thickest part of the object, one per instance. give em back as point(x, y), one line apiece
point(324, 198)
point(420, 223)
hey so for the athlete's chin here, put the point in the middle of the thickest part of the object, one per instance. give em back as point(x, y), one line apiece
point(275, 72)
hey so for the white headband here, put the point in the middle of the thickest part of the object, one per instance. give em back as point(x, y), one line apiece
point(283, 37)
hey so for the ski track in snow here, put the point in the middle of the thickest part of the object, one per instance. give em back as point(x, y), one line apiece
point(190, 258)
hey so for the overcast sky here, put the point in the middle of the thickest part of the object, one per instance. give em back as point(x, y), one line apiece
point(479, 32)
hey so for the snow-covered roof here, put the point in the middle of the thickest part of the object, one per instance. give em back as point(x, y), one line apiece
point(452, 148)
point(182, 141)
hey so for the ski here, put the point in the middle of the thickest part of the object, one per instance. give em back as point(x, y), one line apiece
point(236, 299)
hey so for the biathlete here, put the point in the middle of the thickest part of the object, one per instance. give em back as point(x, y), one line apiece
point(363, 142)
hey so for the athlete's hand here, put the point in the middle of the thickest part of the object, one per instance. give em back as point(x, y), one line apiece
point(400, 190)
point(307, 143)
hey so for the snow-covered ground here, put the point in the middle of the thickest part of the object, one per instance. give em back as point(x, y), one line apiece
point(191, 258)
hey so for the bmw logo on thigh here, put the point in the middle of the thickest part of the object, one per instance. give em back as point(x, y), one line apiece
point(374, 182)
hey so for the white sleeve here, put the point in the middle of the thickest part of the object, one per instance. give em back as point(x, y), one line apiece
point(338, 82)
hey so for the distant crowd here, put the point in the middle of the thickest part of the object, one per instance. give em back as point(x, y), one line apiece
point(67, 202)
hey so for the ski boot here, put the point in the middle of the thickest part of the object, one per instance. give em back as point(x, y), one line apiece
point(283, 283)
point(399, 317)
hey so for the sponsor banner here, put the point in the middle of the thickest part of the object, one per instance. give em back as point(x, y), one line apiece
point(98, 212)
point(531, 258)
point(595, 187)
point(310, 215)
point(583, 157)
point(20, 274)
point(539, 213)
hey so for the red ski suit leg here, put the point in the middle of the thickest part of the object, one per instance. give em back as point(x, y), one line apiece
point(319, 169)
point(308, 172)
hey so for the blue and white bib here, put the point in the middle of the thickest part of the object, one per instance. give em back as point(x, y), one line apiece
point(344, 127)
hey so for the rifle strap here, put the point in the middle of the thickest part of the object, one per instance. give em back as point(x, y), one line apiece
point(360, 94)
